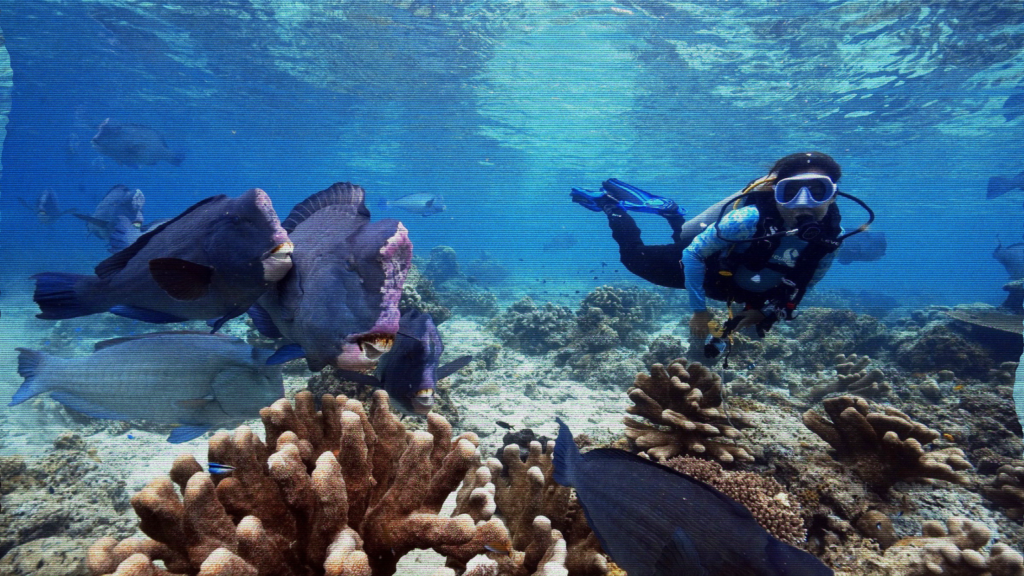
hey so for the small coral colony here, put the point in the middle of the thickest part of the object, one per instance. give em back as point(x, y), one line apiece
point(837, 444)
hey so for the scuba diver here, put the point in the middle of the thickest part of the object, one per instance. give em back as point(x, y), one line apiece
point(764, 247)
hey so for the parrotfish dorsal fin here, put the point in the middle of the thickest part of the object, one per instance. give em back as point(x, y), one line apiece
point(118, 261)
point(349, 198)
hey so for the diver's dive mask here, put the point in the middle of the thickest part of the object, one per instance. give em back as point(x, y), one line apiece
point(804, 191)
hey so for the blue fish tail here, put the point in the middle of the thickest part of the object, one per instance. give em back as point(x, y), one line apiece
point(60, 296)
point(263, 322)
point(28, 367)
point(567, 456)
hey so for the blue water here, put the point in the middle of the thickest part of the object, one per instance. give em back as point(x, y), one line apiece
point(502, 107)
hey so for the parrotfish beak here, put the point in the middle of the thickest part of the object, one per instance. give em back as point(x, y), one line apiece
point(137, 224)
point(423, 401)
point(277, 261)
point(363, 351)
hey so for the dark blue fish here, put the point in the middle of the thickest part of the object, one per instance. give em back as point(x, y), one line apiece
point(210, 262)
point(417, 203)
point(125, 233)
point(47, 207)
point(1011, 257)
point(339, 304)
point(409, 371)
point(216, 468)
point(120, 201)
point(654, 521)
point(134, 144)
point(196, 380)
point(999, 185)
point(866, 246)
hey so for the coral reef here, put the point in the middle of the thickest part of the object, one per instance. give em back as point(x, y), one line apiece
point(467, 297)
point(342, 490)
point(774, 509)
point(940, 348)
point(65, 493)
point(443, 264)
point(883, 447)
point(1007, 490)
point(418, 293)
point(683, 403)
point(626, 312)
point(534, 329)
point(954, 550)
point(820, 334)
point(663, 350)
point(487, 270)
point(852, 376)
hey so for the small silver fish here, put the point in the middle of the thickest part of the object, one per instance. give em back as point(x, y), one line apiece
point(417, 203)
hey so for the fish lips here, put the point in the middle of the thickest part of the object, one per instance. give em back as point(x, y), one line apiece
point(423, 401)
point(277, 261)
point(361, 351)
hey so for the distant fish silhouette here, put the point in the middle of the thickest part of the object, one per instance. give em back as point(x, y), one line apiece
point(867, 246)
point(654, 521)
point(999, 185)
point(562, 241)
point(1011, 257)
point(134, 144)
point(47, 208)
point(119, 201)
point(417, 203)
point(1014, 106)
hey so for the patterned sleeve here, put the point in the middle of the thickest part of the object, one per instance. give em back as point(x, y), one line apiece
point(736, 225)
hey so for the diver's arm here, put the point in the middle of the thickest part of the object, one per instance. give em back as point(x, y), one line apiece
point(736, 225)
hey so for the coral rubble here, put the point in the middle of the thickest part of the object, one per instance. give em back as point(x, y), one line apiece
point(883, 447)
point(683, 404)
point(343, 491)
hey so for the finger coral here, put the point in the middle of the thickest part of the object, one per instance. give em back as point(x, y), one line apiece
point(883, 447)
point(340, 491)
point(953, 550)
point(683, 404)
point(1007, 490)
point(853, 376)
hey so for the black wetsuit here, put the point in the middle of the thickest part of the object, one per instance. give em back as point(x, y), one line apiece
point(659, 264)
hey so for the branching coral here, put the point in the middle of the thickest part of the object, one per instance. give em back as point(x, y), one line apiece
point(773, 508)
point(1007, 490)
point(340, 491)
point(683, 402)
point(883, 447)
point(853, 376)
point(535, 329)
point(953, 550)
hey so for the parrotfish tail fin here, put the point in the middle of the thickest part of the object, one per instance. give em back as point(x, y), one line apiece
point(567, 456)
point(177, 158)
point(263, 322)
point(186, 432)
point(286, 353)
point(349, 198)
point(787, 559)
point(28, 365)
point(61, 296)
point(997, 186)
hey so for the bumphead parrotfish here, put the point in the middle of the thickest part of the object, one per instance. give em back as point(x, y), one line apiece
point(339, 304)
point(210, 262)
point(134, 144)
point(119, 202)
point(865, 246)
point(418, 203)
point(1011, 257)
point(198, 380)
point(47, 207)
point(409, 371)
point(654, 521)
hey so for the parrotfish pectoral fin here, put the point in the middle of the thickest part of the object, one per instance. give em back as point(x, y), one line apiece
point(453, 366)
point(262, 321)
point(58, 298)
point(83, 406)
point(186, 433)
point(286, 353)
point(567, 456)
point(93, 221)
point(181, 279)
point(216, 323)
point(679, 556)
point(145, 315)
point(28, 364)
